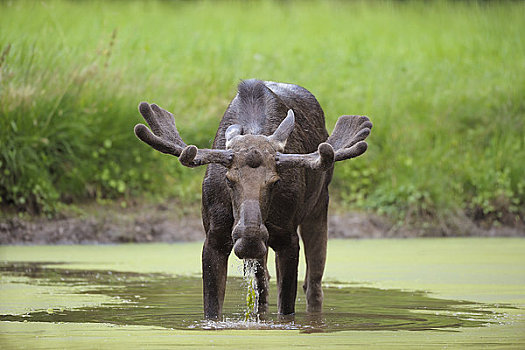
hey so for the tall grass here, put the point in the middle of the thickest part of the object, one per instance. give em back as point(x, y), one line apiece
point(443, 82)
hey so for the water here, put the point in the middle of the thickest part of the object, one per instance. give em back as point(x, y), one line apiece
point(251, 313)
point(175, 302)
point(87, 301)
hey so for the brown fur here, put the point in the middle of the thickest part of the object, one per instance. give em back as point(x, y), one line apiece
point(267, 181)
point(299, 194)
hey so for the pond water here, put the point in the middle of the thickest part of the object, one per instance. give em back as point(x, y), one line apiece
point(175, 302)
point(449, 291)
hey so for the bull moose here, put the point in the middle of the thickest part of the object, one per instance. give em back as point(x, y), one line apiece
point(269, 169)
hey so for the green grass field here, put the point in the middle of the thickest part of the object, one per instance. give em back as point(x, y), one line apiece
point(443, 82)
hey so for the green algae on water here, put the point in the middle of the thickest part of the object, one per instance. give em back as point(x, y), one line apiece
point(175, 302)
point(380, 286)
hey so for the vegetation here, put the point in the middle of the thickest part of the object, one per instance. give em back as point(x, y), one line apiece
point(443, 83)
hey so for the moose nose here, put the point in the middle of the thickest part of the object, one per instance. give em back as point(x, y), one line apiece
point(246, 248)
point(250, 242)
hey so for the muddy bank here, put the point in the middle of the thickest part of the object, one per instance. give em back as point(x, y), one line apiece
point(168, 223)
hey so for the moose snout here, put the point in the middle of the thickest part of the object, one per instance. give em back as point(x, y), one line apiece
point(250, 242)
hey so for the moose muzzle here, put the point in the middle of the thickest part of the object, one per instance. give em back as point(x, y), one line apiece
point(250, 236)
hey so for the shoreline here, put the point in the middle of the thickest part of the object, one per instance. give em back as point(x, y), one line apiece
point(142, 223)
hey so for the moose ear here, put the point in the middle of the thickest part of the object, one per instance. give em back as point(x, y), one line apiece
point(284, 130)
point(231, 132)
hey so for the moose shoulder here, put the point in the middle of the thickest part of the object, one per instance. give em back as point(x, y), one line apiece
point(269, 169)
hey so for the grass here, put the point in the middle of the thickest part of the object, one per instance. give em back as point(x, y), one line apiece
point(443, 83)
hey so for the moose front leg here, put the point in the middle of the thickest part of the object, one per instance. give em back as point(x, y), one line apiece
point(315, 237)
point(286, 260)
point(214, 271)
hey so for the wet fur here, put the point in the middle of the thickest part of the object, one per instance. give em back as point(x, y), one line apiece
point(299, 201)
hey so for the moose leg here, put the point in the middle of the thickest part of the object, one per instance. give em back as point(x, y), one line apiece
point(286, 260)
point(214, 271)
point(315, 236)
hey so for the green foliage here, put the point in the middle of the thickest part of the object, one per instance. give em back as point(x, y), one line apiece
point(442, 82)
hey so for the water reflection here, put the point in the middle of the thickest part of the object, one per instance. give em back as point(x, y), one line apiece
point(176, 302)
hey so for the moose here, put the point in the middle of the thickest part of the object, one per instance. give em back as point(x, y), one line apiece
point(266, 184)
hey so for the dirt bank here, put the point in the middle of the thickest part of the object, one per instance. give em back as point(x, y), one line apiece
point(169, 223)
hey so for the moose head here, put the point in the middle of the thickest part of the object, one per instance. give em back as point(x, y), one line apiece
point(253, 164)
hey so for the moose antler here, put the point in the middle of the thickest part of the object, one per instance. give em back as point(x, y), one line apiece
point(320, 160)
point(348, 136)
point(164, 137)
point(346, 141)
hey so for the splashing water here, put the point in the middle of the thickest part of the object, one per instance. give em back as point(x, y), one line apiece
point(251, 313)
